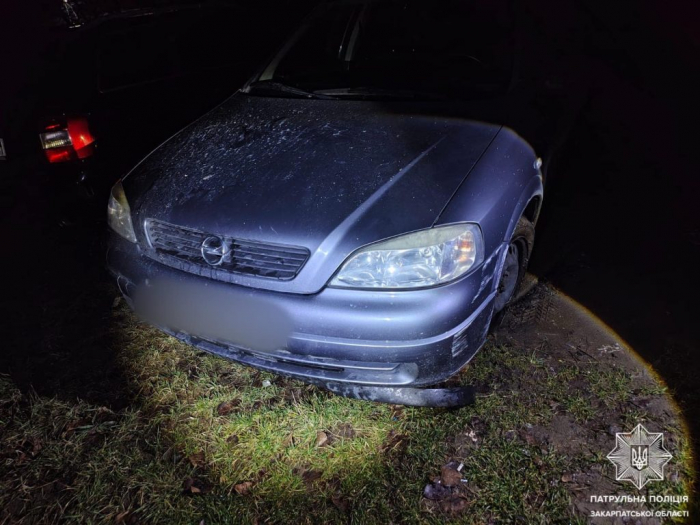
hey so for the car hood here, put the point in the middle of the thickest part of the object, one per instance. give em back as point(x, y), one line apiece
point(327, 175)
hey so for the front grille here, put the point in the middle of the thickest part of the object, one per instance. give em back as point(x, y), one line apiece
point(233, 256)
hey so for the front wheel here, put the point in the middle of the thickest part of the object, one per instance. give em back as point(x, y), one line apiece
point(514, 268)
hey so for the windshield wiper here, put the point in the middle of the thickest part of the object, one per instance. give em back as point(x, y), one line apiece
point(273, 85)
point(370, 92)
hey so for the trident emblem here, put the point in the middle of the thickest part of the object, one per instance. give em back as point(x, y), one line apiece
point(640, 456)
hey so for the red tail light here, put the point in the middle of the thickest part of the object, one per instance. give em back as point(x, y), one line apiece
point(67, 139)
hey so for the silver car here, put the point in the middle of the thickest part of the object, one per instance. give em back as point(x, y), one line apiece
point(355, 217)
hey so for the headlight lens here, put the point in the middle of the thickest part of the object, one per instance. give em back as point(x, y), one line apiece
point(416, 260)
point(119, 214)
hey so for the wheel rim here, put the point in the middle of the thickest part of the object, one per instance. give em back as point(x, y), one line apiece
point(509, 277)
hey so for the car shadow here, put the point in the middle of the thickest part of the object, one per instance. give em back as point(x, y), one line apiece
point(57, 301)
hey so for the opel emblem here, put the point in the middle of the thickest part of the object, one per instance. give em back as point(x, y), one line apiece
point(214, 250)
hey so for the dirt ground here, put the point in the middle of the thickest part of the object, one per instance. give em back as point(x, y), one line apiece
point(567, 335)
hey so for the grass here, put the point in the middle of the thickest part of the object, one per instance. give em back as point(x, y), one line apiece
point(205, 439)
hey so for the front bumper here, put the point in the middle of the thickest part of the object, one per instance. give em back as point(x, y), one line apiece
point(346, 338)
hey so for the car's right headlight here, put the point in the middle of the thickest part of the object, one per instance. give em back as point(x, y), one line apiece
point(119, 214)
point(416, 260)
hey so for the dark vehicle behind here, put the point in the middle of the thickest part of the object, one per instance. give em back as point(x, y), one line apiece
point(113, 89)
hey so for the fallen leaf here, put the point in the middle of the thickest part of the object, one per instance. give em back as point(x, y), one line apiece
point(321, 438)
point(243, 488)
point(197, 460)
point(227, 407)
point(450, 477)
point(194, 486)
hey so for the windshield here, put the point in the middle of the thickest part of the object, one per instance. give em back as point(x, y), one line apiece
point(456, 48)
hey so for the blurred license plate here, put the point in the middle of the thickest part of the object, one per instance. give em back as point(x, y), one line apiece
point(214, 313)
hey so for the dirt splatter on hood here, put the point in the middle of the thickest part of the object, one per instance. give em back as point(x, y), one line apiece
point(304, 172)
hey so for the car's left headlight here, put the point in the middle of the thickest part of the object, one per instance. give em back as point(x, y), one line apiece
point(416, 260)
point(119, 213)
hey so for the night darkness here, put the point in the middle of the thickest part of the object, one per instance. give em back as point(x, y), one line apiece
point(105, 419)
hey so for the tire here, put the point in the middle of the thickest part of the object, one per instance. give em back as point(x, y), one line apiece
point(514, 269)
